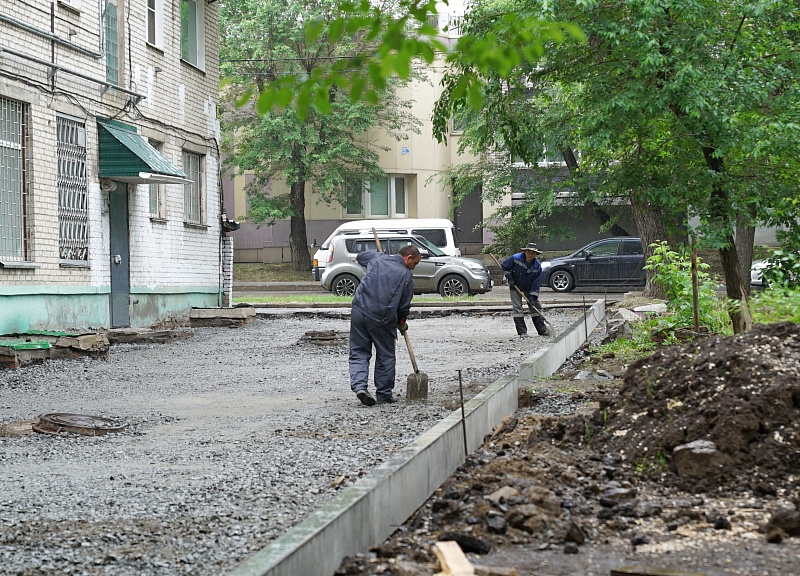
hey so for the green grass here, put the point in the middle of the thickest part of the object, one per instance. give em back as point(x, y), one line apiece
point(269, 273)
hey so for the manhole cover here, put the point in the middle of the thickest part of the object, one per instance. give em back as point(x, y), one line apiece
point(326, 338)
point(75, 423)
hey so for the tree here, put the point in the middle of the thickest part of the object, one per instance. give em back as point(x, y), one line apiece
point(328, 147)
point(688, 107)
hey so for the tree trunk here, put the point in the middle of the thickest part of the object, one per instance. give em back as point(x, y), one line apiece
point(745, 238)
point(298, 243)
point(735, 288)
point(652, 228)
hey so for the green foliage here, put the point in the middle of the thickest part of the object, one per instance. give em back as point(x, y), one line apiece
point(672, 270)
point(783, 270)
point(396, 35)
point(776, 305)
point(639, 346)
point(292, 141)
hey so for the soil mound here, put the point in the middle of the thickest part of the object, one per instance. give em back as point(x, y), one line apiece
point(740, 392)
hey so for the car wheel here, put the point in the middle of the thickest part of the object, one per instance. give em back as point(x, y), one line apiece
point(345, 285)
point(453, 286)
point(561, 281)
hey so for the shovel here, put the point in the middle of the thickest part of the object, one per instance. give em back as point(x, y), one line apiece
point(535, 312)
point(416, 383)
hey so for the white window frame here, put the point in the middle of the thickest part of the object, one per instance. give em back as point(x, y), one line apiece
point(111, 51)
point(193, 192)
point(156, 8)
point(366, 204)
point(199, 56)
point(14, 234)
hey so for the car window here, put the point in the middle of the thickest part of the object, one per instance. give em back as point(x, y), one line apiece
point(434, 235)
point(429, 246)
point(355, 246)
point(605, 249)
point(632, 248)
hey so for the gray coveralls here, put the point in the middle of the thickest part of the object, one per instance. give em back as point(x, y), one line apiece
point(382, 298)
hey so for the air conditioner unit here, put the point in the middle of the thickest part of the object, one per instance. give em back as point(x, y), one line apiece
point(71, 4)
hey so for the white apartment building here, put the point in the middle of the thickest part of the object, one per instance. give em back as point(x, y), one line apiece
point(110, 203)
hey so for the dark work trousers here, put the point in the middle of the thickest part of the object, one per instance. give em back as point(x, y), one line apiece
point(519, 316)
point(364, 334)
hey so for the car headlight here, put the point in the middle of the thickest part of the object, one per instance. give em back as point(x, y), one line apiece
point(475, 266)
point(546, 265)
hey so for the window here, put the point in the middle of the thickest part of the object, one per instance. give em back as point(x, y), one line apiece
point(605, 249)
point(155, 23)
point(156, 190)
point(632, 247)
point(193, 191)
point(192, 33)
point(13, 185)
point(353, 198)
point(377, 198)
point(73, 192)
point(112, 43)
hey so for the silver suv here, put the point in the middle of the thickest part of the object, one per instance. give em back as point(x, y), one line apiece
point(436, 272)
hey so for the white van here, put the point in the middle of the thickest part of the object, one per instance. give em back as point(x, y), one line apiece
point(439, 231)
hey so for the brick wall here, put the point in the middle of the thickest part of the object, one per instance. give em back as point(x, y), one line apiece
point(179, 109)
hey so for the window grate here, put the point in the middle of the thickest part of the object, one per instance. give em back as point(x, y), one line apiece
point(73, 193)
point(13, 225)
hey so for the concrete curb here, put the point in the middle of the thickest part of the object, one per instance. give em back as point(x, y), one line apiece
point(368, 512)
point(547, 360)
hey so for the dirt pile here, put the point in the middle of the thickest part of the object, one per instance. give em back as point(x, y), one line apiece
point(551, 491)
point(738, 394)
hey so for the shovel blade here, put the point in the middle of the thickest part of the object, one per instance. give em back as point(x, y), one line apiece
point(417, 386)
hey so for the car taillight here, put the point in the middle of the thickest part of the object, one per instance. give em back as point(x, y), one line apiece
point(330, 255)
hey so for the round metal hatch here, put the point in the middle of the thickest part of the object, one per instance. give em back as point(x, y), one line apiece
point(76, 424)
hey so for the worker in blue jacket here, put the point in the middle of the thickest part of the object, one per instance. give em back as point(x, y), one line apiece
point(380, 307)
point(524, 271)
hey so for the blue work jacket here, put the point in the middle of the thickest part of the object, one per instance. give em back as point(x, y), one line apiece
point(526, 275)
point(385, 292)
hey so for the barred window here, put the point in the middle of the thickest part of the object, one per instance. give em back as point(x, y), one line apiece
point(193, 191)
point(112, 43)
point(73, 192)
point(13, 182)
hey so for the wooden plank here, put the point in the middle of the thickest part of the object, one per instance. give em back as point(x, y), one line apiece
point(649, 571)
point(452, 560)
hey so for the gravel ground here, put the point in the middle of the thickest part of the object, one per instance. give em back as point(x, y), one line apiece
point(232, 436)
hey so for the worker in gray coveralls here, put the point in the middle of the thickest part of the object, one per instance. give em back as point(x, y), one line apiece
point(380, 307)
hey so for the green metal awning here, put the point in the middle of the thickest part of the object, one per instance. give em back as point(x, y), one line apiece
point(127, 157)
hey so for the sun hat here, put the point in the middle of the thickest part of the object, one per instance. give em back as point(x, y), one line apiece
point(532, 246)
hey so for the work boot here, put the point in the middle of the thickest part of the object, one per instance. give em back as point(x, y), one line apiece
point(540, 326)
point(365, 398)
point(519, 323)
point(388, 400)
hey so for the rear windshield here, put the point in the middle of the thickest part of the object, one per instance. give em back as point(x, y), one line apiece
point(436, 236)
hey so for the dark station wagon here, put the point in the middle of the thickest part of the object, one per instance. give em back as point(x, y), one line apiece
point(608, 262)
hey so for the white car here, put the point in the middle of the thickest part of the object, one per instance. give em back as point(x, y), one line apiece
point(756, 269)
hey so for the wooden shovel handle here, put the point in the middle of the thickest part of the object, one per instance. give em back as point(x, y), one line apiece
point(411, 352)
point(378, 242)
